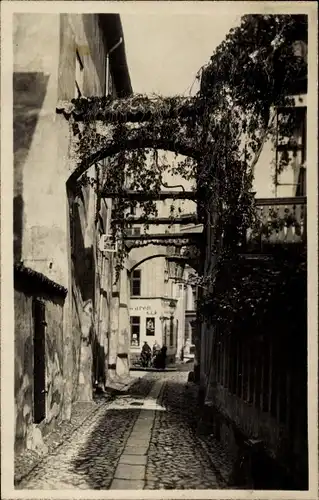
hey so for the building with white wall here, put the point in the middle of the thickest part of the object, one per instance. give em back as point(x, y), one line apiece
point(155, 298)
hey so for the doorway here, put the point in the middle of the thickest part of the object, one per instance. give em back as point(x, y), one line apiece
point(39, 391)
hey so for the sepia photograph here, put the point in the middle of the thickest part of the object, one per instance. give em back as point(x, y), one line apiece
point(160, 294)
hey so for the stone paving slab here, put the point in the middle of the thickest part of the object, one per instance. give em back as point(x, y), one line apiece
point(133, 459)
point(139, 441)
point(130, 471)
point(125, 484)
point(136, 450)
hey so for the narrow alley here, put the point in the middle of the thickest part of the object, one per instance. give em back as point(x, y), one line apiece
point(147, 438)
point(161, 336)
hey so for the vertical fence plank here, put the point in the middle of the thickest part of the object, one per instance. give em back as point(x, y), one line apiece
point(270, 375)
point(224, 360)
point(243, 372)
point(248, 373)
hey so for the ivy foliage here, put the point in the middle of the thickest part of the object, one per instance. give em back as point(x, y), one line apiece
point(254, 70)
point(246, 294)
point(219, 132)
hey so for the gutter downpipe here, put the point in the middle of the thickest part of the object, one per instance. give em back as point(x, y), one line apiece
point(115, 288)
point(107, 69)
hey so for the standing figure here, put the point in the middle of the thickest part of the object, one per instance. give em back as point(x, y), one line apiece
point(146, 355)
point(163, 357)
point(156, 352)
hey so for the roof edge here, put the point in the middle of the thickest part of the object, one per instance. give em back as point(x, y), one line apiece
point(111, 26)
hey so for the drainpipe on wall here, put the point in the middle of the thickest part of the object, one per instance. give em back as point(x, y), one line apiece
point(114, 309)
point(107, 69)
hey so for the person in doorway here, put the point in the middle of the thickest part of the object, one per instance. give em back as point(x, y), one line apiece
point(146, 355)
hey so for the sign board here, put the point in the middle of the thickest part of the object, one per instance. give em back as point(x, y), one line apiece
point(107, 244)
point(150, 326)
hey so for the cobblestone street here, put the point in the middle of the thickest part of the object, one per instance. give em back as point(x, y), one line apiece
point(145, 439)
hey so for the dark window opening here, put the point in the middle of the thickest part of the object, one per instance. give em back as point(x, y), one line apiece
point(135, 231)
point(135, 322)
point(136, 283)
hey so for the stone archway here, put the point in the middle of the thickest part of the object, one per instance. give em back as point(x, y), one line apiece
point(153, 255)
point(160, 123)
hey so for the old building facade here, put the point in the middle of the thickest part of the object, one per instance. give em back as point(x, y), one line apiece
point(63, 294)
point(161, 307)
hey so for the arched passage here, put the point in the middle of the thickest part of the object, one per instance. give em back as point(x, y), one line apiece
point(102, 129)
point(145, 259)
point(169, 124)
point(137, 142)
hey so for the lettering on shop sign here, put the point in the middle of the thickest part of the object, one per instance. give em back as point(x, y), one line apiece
point(147, 309)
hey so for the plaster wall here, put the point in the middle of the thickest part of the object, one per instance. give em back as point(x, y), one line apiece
point(44, 50)
point(40, 221)
point(154, 282)
point(24, 366)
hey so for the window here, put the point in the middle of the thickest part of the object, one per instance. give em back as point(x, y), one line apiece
point(136, 283)
point(135, 322)
point(291, 151)
point(132, 210)
point(78, 75)
point(150, 326)
point(135, 231)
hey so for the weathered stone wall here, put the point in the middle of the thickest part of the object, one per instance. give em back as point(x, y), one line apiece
point(23, 353)
point(24, 365)
point(54, 360)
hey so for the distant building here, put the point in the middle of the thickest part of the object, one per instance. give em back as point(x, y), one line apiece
point(155, 297)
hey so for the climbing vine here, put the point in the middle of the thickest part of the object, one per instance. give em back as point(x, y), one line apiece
point(254, 71)
point(219, 132)
point(246, 294)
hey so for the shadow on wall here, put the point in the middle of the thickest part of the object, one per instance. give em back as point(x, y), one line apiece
point(83, 258)
point(98, 365)
point(29, 90)
point(84, 273)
